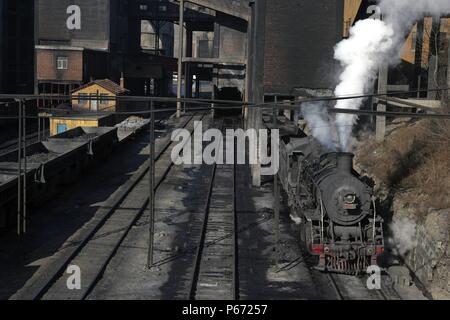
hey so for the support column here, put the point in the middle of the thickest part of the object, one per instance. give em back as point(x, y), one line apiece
point(188, 75)
point(258, 38)
point(249, 66)
point(180, 56)
point(151, 203)
point(418, 56)
point(382, 89)
point(446, 94)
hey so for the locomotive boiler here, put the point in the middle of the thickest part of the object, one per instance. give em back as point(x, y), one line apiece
point(333, 204)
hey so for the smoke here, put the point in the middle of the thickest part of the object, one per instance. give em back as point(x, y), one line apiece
point(371, 44)
point(316, 117)
point(402, 14)
point(403, 236)
point(360, 56)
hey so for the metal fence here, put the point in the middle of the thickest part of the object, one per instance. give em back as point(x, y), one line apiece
point(150, 107)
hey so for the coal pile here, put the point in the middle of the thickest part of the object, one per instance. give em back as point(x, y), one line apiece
point(41, 157)
point(85, 137)
point(131, 123)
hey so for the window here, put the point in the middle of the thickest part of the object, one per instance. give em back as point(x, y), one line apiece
point(205, 48)
point(62, 63)
point(103, 99)
point(94, 102)
point(82, 99)
point(143, 7)
point(149, 37)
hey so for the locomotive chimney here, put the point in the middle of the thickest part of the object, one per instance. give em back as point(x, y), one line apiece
point(345, 162)
point(122, 81)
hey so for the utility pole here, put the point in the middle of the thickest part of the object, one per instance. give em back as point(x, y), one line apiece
point(180, 57)
point(382, 89)
point(151, 200)
point(276, 193)
point(258, 38)
point(19, 172)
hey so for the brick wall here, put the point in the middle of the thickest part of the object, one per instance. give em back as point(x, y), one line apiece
point(47, 68)
point(300, 36)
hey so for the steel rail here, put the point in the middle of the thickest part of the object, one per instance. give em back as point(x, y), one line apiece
point(338, 291)
point(61, 269)
point(202, 244)
point(197, 260)
point(141, 210)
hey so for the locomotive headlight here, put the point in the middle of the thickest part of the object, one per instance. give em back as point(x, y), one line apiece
point(350, 198)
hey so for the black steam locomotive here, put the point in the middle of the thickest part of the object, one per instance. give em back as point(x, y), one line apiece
point(333, 204)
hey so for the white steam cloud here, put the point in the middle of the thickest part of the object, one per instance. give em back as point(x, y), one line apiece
point(403, 236)
point(316, 117)
point(371, 44)
point(360, 55)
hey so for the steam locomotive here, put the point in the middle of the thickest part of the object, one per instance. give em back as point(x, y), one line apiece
point(333, 204)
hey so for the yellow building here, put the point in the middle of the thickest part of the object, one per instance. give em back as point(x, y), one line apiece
point(101, 94)
point(91, 104)
point(59, 124)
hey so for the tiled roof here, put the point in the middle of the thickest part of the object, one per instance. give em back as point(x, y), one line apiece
point(109, 85)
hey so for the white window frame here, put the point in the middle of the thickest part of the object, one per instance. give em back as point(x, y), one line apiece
point(62, 63)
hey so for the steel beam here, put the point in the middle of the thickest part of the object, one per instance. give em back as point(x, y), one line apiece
point(180, 56)
point(151, 202)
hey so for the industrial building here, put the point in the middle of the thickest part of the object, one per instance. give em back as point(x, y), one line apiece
point(78, 43)
point(138, 39)
point(127, 176)
point(16, 46)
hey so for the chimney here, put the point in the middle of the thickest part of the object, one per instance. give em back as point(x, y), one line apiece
point(122, 81)
point(345, 162)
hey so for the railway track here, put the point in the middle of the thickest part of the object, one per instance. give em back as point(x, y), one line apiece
point(114, 220)
point(354, 288)
point(215, 275)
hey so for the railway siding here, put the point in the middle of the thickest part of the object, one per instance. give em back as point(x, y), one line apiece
point(94, 232)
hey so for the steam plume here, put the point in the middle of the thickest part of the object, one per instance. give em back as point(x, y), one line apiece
point(403, 237)
point(316, 117)
point(360, 56)
point(371, 44)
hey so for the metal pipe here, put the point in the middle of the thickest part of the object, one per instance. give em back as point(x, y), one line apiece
point(276, 193)
point(151, 201)
point(39, 126)
point(43, 128)
point(19, 173)
point(24, 195)
point(180, 56)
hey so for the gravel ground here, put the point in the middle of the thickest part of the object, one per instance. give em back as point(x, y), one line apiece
point(51, 226)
